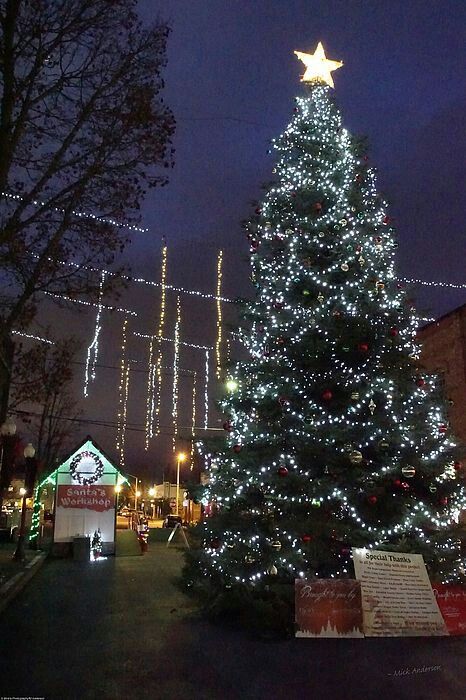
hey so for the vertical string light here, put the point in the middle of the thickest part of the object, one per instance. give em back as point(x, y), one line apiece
point(218, 345)
point(154, 377)
point(193, 420)
point(206, 391)
point(123, 390)
point(93, 349)
point(176, 361)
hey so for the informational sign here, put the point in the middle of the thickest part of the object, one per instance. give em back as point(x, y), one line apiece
point(451, 600)
point(328, 608)
point(397, 597)
point(92, 497)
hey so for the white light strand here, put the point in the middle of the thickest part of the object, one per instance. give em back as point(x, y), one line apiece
point(122, 398)
point(154, 376)
point(172, 340)
point(33, 337)
point(150, 283)
point(218, 345)
point(103, 307)
point(176, 358)
point(206, 390)
point(193, 420)
point(450, 285)
point(80, 214)
point(158, 388)
point(93, 349)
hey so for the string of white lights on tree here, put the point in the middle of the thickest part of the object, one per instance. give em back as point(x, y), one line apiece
point(80, 214)
point(154, 376)
point(218, 345)
point(93, 349)
point(176, 360)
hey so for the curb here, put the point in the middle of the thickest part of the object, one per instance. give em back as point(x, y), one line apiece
point(16, 584)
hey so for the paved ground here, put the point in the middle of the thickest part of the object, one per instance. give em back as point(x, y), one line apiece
point(120, 629)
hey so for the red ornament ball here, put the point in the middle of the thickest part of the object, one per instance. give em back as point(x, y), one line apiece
point(387, 219)
point(458, 466)
point(372, 500)
point(443, 429)
point(306, 538)
point(327, 395)
point(363, 347)
point(237, 448)
point(258, 210)
point(420, 382)
point(282, 471)
point(215, 544)
point(393, 332)
point(317, 207)
point(254, 245)
point(443, 501)
point(397, 482)
point(227, 426)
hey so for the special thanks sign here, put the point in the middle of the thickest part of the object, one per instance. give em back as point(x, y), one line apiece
point(397, 596)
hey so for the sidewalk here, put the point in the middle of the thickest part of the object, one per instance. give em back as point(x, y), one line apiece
point(13, 574)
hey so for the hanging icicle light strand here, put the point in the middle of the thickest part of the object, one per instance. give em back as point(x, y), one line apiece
point(176, 358)
point(218, 346)
point(158, 388)
point(193, 420)
point(93, 349)
point(124, 378)
point(206, 390)
point(154, 376)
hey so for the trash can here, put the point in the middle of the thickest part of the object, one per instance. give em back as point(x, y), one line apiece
point(81, 548)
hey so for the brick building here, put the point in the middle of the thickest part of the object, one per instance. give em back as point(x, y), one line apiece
point(444, 353)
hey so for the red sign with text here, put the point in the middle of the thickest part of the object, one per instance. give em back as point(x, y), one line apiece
point(92, 497)
point(328, 608)
point(452, 603)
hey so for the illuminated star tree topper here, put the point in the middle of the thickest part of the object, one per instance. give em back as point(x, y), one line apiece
point(318, 66)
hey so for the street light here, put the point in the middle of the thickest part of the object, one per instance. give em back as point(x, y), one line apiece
point(29, 453)
point(180, 457)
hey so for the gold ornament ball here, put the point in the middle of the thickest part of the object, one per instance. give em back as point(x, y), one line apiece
point(408, 471)
point(277, 545)
point(355, 457)
point(345, 267)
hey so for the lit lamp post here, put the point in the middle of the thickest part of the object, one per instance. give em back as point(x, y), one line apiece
point(180, 457)
point(29, 453)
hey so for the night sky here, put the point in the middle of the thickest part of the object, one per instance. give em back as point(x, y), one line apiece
point(231, 80)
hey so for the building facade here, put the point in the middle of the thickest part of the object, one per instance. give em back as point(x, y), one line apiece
point(444, 353)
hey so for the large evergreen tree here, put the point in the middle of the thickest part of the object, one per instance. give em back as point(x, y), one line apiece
point(335, 437)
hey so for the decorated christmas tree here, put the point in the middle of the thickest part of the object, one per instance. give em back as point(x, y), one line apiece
point(334, 436)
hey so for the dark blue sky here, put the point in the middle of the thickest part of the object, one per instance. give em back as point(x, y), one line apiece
point(231, 80)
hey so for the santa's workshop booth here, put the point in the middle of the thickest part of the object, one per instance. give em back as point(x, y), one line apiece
point(85, 498)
